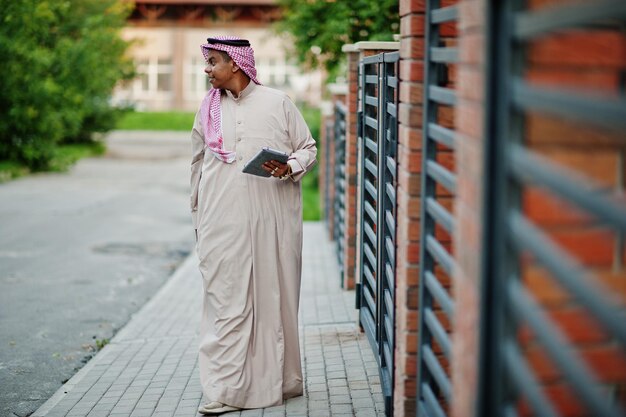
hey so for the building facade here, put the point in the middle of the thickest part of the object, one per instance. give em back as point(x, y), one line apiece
point(167, 34)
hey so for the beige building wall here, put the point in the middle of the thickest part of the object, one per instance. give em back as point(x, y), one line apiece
point(170, 67)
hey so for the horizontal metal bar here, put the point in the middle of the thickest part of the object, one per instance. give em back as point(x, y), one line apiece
point(369, 277)
point(442, 135)
point(371, 79)
point(525, 382)
point(371, 145)
point(373, 59)
point(390, 249)
point(392, 167)
point(604, 111)
point(436, 370)
point(441, 175)
point(437, 330)
point(391, 192)
point(441, 215)
point(392, 110)
point(387, 355)
point(369, 299)
point(369, 232)
point(371, 101)
point(370, 210)
point(341, 107)
point(442, 95)
point(444, 55)
point(568, 184)
point(445, 14)
point(369, 325)
point(371, 167)
point(430, 405)
point(388, 328)
point(371, 122)
point(391, 57)
point(392, 81)
point(390, 276)
point(570, 365)
point(531, 24)
point(440, 254)
point(439, 293)
point(371, 189)
point(571, 275)
point(391, 222)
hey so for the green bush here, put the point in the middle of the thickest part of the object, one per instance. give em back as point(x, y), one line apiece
point(61, 62)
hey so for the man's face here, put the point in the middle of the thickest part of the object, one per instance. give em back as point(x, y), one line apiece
point(219, 71)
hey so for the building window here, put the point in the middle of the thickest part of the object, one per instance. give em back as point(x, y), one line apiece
point(155, 76)
point(196, 82)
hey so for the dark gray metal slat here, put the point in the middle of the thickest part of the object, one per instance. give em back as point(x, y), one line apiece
point(571, 366)
point(437, 330)
point(444, 14)
point(442, 135)
point(442, 95)
point(439, 293)
point(604, 111)
point(441, 175)
point(444, 55)
point(431, 403)
point(522, 377)
point(571, 275)
point(531, 24)
point(436, 370)
point(568, 184)
point(441, 255)
point(441, 215)
point(371, 189)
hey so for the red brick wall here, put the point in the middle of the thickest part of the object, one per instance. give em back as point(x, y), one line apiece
point(467, 238)
point(408, 210)
point(350, 238)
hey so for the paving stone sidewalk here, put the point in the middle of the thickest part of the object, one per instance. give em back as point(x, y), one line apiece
point(150, 367)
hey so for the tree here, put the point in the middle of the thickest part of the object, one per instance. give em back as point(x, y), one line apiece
point(321, 27)
point(61, 61)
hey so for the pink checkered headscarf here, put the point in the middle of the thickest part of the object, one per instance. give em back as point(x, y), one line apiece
point(210, 111)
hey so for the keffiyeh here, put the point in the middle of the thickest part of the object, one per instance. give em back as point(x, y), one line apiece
point(242, 53)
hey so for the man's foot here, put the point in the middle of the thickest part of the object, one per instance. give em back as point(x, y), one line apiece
point(216, 407)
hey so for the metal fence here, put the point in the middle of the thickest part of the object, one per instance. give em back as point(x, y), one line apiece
point(434, 392)
point(378, 183)
point(339, 219)
point(512, 312)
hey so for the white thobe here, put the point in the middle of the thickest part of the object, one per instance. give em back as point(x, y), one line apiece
point(249, 243)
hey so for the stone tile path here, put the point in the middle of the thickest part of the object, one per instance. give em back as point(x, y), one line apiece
point(150, 367)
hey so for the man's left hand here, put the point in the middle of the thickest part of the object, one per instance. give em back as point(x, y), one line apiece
point(276, 169)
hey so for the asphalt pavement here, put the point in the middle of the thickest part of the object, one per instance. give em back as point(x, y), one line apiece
point(80, 253)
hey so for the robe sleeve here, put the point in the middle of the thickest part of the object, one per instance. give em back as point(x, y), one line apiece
point(305, 149)
point(197, 157)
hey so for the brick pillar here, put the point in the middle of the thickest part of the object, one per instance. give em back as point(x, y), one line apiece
point(322, 156)
point(409, 185)
point(468, 206)
point(352, 199)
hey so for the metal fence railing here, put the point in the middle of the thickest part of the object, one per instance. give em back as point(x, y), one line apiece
point(579, 253)
point(378, 183)
point(436, 306)
point(339, 219)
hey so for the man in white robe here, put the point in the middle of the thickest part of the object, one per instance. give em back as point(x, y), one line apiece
point(249, 234)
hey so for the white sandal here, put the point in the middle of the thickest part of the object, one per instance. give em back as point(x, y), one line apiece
point(216, 407)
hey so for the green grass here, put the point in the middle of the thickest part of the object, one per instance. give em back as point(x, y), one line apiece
point(64, 157)
point(311, 209)
point(10, 170)
point(170, 120)
point(67, 155)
